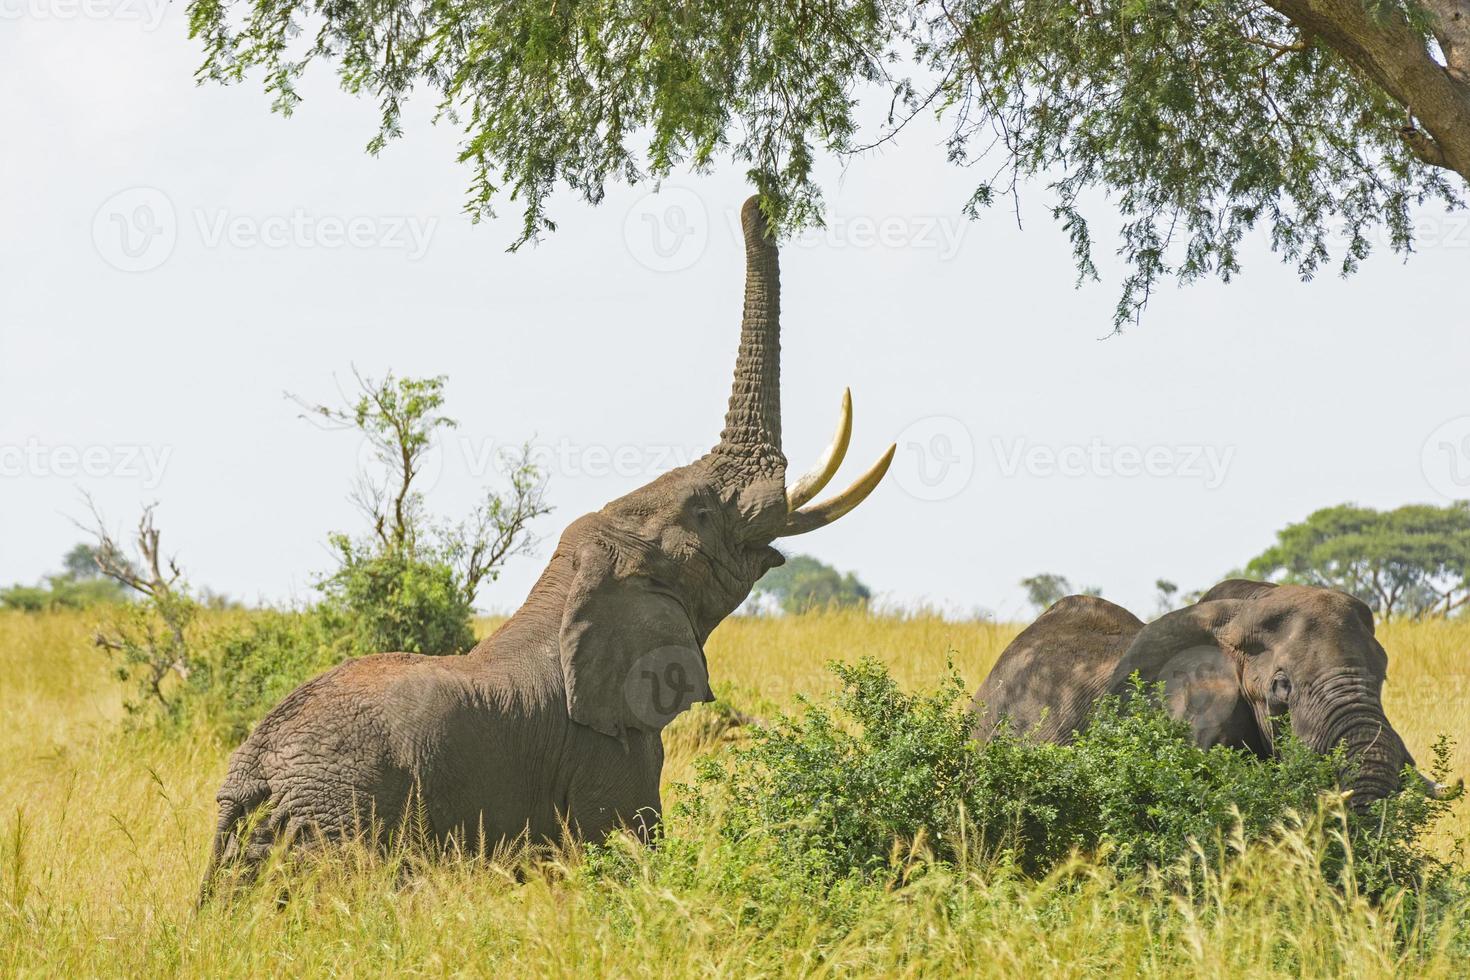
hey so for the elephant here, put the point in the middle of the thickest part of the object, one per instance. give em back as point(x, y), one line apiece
point(1244, 654)
point(552, 725)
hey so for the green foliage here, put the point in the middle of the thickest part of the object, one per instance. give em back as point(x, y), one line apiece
point(148, 643)
point(245, 666)
point(1199, 120)
point(412, 584)
point(1414, 560)
point(396, 600)
point(805, 583)
point(1047, 588)
point(852, 791)
point(1165, 591)
point(79, 585)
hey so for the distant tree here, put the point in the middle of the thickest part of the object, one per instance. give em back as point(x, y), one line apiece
point(412, 583)
point(81, 583)
point(1164, 600)
point(805, 583)
point(81, 562)
point(1411, 561)
point(1045, 589)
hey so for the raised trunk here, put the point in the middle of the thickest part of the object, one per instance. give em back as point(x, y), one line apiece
point(752, 434)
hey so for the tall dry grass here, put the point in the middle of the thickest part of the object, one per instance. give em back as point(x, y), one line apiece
point(103, 835)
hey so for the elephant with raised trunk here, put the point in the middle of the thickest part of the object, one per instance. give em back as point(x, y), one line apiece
point(1246, 654)
point(554, 721)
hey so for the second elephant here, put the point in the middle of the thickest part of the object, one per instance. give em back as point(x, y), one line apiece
point(1245, 655)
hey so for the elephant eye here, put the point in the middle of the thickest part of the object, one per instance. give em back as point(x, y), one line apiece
point(1280, 689)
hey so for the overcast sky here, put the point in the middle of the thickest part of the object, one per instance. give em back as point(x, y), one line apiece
point(173, 259)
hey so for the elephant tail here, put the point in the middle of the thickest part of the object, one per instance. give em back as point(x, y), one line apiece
point(235, 811)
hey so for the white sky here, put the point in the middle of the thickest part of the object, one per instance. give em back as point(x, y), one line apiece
point(1252, 404)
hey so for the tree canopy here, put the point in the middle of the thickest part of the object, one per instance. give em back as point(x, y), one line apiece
point(1414, 560)
point(1045, 589)
point(1324, 121)
point(80, 584)
point(805, 583)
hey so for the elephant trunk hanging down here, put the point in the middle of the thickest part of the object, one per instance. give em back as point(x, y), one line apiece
point(555, 720)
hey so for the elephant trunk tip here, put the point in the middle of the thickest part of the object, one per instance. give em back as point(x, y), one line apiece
point(753, 222)
point(752, 432)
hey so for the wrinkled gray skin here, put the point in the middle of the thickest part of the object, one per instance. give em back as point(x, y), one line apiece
point(1245, 653)
point(557, 716)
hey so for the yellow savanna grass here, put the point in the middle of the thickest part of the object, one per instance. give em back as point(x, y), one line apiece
point(103, 835)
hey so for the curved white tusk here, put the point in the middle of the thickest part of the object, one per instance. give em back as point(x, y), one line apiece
point(1440, 791)
point(811, 484)
point(820, 515)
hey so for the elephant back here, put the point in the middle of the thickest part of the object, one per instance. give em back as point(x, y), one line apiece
point(1047, 679)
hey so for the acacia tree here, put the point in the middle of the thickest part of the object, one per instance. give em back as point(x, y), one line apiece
point(1200, 118)
point(1414, 560)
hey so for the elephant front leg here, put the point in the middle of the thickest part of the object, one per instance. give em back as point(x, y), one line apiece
point(619, 791)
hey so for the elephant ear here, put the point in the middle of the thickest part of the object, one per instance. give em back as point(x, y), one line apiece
point(1201, 681)
point(629, 655)
point(1363, 611)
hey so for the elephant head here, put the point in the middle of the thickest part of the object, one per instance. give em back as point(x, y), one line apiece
point(645, 580)
point(1249, 653)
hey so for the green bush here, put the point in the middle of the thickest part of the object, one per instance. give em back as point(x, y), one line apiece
point(61, 593)
point(395, 599)
point(850, 789)
point(242, 669)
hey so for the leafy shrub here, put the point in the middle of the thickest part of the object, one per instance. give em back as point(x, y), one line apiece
point(395, 599)
point(887, 773)
point(243, 668)
point(411, 584)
